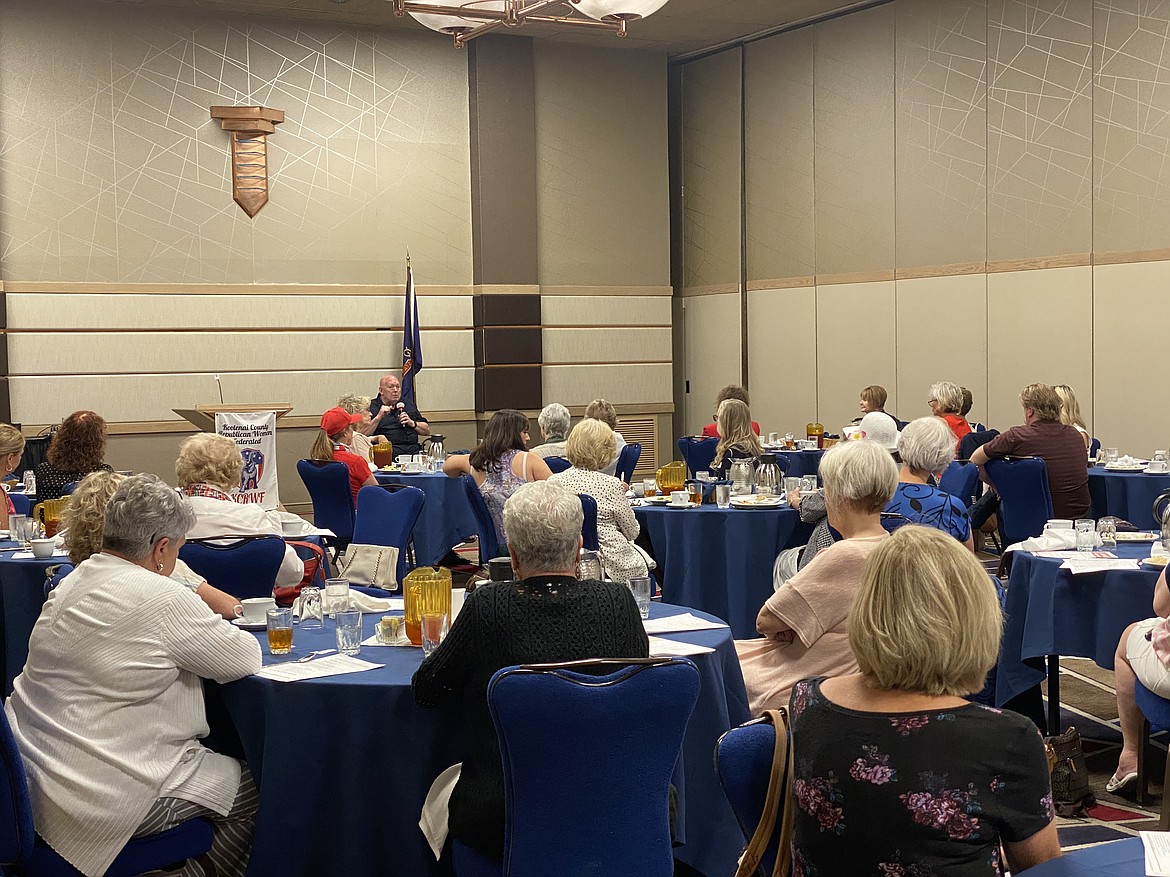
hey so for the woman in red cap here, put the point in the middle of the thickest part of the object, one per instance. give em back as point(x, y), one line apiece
point(333, 444)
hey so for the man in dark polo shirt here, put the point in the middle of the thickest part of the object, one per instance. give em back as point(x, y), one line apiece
point(1060, 447)
point(402, 426)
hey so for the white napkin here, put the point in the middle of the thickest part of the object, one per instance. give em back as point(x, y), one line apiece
point(434, 812)
point(366, 603)
point(660, 647)
point(1049, 540)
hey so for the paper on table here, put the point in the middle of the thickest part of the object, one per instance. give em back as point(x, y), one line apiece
point(1104, 555)
point(678, 623)
point(669, 648)
point(1090, 564)
point(334, 665)
point(1157, 846)
point(28, 555)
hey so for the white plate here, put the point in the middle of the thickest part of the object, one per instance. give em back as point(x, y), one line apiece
point(1137, 537)
point(250, 625)
point(1115, 467)
point(658, 500)
point(1149, 471)
point(1157, 562)
point(769, 503)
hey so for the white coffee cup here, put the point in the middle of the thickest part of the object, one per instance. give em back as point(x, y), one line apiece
point(255, 609)
point(291, 528)
point(1059, 524)
point(679, 497)
point(43, 547)
point(402, 459)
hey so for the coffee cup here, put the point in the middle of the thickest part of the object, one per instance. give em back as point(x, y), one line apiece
point(43, 547)
point(402, 459)
point(291, 528)
point(1059, 524)
point(255, 609)
point(679, 497)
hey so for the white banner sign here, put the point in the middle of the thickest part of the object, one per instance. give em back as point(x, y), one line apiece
point(255, 435)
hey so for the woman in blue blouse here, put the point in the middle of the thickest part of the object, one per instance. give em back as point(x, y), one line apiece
point(927, 447)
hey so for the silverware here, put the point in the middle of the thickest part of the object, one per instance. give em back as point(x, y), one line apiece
point(313, 655)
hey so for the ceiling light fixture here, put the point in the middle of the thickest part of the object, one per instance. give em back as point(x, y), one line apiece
point(467, 19)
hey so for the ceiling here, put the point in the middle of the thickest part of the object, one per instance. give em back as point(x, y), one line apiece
point(680, 27)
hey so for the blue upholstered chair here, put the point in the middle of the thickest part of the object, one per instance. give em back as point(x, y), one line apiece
point(68, 487)
point(1156, 711)
point(1094, 447)
point(244, 567)
point(21, 504)
point(489, 545)
point(333, 509)
point(619, 823)
point(959, 481)
point(627, 461)
point(23, 853)
point(54, 574)
point(1025, 501)
point(589, 538)
point(557, 464)
point(698, 453)
point(386, 515)
point(743, 763)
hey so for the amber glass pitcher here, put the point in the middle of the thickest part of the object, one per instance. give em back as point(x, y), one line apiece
point(427, 591)
point(672, 476)
point(49, 514)
point(815, 432)
point(382, 454)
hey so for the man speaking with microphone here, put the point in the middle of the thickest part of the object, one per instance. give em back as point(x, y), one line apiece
point(398, 420)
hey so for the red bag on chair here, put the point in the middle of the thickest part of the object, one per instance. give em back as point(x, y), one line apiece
point(314, 572)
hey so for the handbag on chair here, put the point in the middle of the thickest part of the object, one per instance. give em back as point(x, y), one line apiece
point(777, 805)
point(370, 566)
point(314, 574)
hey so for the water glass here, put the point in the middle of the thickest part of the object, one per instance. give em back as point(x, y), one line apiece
point(649, 487)
point(791, 483)
point(640, 587)
point(808, 483)
point(722, 495)
point(336, 596)
point(589, 566)
point(280, 631)
point(1107, 531)
point(1086, 539)
point(434, 628)
point(17, 527)
point(349, 631)
point(312, 616)
point(1111, 455)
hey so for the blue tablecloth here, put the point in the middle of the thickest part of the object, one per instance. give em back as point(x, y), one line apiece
point(446, 518)
point(22, 594)
point(1052, 612)
point(1121, 858)
point(344, 763)
point(801, 462)
point(1128, 495)
point(720, 560)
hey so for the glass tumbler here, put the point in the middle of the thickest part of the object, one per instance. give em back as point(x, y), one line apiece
point(312, 616)
point(280, 631)
point(722, 495)
point(1107, 531)
point(349, 631)
point(336, 596)
point(1086, 536)
point(640, 587)
point(589, 566)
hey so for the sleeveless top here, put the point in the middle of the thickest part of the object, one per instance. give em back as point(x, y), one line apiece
point(499, 483)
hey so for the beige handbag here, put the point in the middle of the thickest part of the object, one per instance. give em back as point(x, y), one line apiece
point(370, 566)
point(777, 805)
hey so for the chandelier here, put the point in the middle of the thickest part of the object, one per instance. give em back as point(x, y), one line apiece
point(467, 19)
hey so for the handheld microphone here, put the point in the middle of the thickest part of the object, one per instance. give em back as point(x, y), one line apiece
point(400, 408)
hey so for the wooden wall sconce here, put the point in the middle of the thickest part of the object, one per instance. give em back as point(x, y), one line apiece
point(249, 127)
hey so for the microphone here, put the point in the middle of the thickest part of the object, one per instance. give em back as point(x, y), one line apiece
point(400, 409)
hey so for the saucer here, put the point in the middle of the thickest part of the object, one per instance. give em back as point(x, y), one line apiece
point(685, 505)
point(250, 625)
point(758, 502)
point(1157, 562)
point(1150, 470)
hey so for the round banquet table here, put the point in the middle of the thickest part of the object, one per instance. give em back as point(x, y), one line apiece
point(22, 594)
point(1128, 495)
point(344, 763)
point(446, 519)
point(720, 560)
point(1121, 858)
point(801, 462)
point(1052, 612)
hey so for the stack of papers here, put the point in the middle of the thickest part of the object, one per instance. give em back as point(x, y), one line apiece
point(334, 665)
point(680, 623)
point(1157, 846)
point(668, 648)
point(1088, 564)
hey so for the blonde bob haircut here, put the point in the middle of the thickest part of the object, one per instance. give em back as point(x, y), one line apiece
point(85, 514)
point(207, 458)
point(354, 403)
point(861, 475)
point(601, 409)
point(926, 618)
point(948, 396)
point(592, 445)
point(11, 440)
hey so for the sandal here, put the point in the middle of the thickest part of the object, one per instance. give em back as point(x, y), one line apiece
point(1116, 783)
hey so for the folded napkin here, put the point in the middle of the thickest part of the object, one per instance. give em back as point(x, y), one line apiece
point(1049, 540)
point(358, 600)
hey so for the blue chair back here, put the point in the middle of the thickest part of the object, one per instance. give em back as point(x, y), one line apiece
point(743, 763)
point(976, 426)
point(489, 546)
point(698, 453)
point(241, 567)
point(328, 486)
point(21, 504)
point(387, 517)
point(17, 835)
point(68, 487)
point(557, 464)
point(959, 481)
point(620, 823)
point(627, 461)
point(1155, 708)
point(589, 538)
point(1094, 447)
point(54, 576)
point(1025, 501)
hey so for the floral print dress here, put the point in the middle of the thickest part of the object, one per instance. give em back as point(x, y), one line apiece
point(918, 794)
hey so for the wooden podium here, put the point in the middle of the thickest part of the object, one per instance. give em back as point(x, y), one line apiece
point(203, 415)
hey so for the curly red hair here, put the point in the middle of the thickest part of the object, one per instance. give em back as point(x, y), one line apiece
point(80, 443)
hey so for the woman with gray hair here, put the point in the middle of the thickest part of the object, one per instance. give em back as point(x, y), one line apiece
point(363, 431)
point(803, 622)
point(927, 447)
point(545, 616)
point(554, 429)
point(108, 711)
point(946, 400)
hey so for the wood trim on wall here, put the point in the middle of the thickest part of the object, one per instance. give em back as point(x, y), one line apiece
point(715, 289)
point(628, 291)
point(1125, 258)
point(1071, 260)
point(88, 288)
point(855, 277)
point(805, 282)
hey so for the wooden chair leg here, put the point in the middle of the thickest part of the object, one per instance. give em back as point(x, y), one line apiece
point(1143, 780)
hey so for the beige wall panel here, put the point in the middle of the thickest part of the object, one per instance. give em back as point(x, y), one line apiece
point(1039, 329)
point(782, 376)
point(778, 86)
point(605, 310)
point(1131, 102)
point(941, 131)
point(854, 129)
point(85, 311)
point(1130, 310)
point(711, 339)
point(606, 345)
point(151, 397)
point(621, 384)
point(856, 347)
point(40, 353)
point(603, 206)
point(1039, 128)
point(926, 354)
point(711, 170)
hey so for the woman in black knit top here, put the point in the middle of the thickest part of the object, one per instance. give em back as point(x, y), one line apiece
point(548, 616)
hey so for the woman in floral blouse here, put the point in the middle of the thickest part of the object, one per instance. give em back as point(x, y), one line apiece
point(896, 774)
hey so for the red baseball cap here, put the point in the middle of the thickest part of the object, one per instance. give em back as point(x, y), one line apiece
point(336, 420)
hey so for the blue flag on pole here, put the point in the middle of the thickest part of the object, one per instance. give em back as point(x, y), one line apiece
point(412, 361)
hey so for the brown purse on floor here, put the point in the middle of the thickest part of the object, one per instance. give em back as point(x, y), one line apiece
point(777, 805)
point(1071, 792)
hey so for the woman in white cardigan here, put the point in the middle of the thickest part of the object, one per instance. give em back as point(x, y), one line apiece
point(108, 711)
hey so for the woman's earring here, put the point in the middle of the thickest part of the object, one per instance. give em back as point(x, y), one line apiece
point(158, 566)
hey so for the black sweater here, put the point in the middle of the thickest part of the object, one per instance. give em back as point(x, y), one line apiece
point(539, 620)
